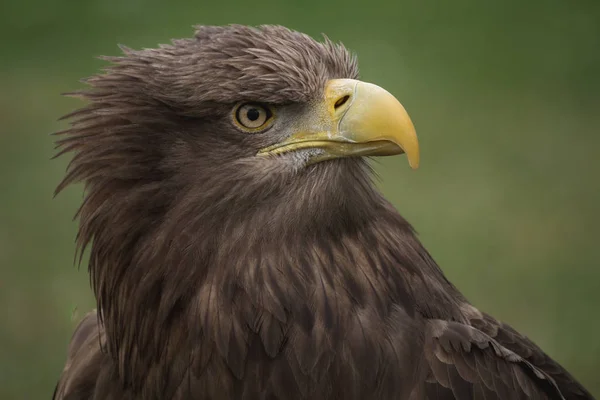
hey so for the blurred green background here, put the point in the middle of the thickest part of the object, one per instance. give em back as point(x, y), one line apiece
point(505, 98)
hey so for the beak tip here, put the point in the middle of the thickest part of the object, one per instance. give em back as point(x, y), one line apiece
point(414, 164)
point(412, 152)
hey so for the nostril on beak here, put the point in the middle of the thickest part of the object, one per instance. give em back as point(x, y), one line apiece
point(341, 101)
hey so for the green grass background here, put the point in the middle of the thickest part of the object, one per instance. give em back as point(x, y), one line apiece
point(505, 98)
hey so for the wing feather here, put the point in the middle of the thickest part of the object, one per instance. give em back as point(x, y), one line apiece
point(512, 340)
point(84, 356)
point(463, 363)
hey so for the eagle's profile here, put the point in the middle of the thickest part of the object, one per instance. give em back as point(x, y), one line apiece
point(239, 250)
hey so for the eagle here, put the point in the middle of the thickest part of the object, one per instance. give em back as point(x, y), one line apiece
point(239, 249)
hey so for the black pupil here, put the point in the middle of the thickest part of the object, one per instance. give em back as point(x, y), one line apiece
point(253, 114)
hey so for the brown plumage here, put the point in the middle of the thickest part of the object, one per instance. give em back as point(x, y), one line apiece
point(222, 274)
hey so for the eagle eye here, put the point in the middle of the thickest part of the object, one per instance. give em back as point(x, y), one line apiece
point(252, 117)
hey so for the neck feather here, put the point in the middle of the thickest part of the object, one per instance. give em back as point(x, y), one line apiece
point(167, 285)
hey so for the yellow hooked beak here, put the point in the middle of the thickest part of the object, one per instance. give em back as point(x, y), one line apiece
point(354, 119)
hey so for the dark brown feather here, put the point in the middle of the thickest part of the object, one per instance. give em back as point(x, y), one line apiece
point(497, 373)
point(220, 275)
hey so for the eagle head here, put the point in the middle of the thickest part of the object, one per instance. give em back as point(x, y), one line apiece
point(206, 160)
